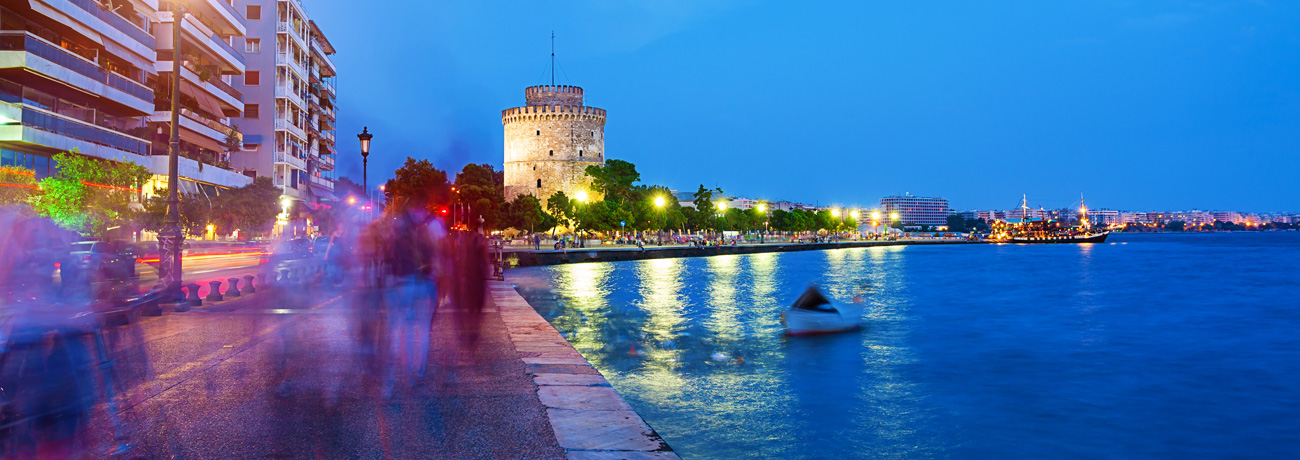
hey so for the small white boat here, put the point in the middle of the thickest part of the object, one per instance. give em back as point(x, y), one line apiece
point(812, 314)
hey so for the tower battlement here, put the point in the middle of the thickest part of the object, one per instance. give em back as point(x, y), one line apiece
point(553, 95)
point(552, 111)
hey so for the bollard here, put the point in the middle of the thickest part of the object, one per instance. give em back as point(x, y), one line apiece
point(233, 289)
point(248, 284)
point(284, 276)
point(261, 279)
point(214, 292)
point(194, 299)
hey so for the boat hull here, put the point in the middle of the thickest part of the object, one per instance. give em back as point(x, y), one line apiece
point(1072, 239)
point(846, 317)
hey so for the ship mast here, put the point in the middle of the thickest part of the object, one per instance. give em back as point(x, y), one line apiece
point(1083, 210)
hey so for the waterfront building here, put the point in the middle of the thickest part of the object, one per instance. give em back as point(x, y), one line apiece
point(1103, 216)
point(990, 216)
point(915, 210)
point(289, 123)
point(1228, 216)
point(80, 76)
point(550, 142)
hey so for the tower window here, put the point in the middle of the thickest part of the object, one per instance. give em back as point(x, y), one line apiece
point(539, 132)
point(579, 153)
point(552, 153)
point(534, 167)
point(539, 183)
point(593, 134)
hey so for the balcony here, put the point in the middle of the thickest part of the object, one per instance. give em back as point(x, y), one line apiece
point(321, 181)
point(198, 35)
point(286, 92)
point(90, 12)
point(288, 159)
point(198, 129)
point(230, 98)
point(45, 130)
point(328, 86)
point(284, 125)
point(328, 69)
point(327, 136)
point(286, 59)
point(285, 27)
point(326, 162)
point(22, 50)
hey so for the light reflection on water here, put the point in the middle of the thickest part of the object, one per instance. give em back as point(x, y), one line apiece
point(971, 352)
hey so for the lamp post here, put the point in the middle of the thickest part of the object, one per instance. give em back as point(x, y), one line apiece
point(875, 221)
point(659, 203)
point(171, 237)
point(582, 198)
point(365, 152)
point(854, 214)
point(762, 237)
point(722, 212)
point(893, 217)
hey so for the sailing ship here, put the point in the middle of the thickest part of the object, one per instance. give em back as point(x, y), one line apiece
point(1029, 229)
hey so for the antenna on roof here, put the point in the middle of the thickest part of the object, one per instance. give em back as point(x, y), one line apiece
point(552, 58)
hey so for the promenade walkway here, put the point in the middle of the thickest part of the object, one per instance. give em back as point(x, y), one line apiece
point(286, 373)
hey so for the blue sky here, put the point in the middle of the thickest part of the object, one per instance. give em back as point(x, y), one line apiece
point(1141, 105)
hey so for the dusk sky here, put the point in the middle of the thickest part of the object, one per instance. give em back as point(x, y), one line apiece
point(1140, 105)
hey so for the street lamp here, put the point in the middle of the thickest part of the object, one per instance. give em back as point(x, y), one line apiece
point(582, 198)
point(365, 152)
point(875, 220)
point(762, 237)
point(854, 215)
point(170, 237)
point(659, 203)
point(722, 211)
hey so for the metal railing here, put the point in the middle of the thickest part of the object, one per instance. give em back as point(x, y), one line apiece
point(286, 126)
point(215, 125)
point(287, 92)
point(284, 58)
point(321, 181)
point(24, 41)
point(45, 120)
point(117, 22)
point(283, 157)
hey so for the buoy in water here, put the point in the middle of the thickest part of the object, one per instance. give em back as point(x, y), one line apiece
point(719, 356)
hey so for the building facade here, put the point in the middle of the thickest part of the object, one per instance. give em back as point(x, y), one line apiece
point(81, 76)
point(550, 142)
point(915, 210)
point(289, 122)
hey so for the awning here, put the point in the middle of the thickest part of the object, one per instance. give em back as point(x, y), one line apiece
point(320, 191)
point(206, 101)
point(253, 139)
point(146, 10)
point(64, 19)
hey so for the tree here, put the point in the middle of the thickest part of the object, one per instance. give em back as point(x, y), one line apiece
point(194, 211)
point(957, 223)
point(17, 185)
point(525, 212)
point(614, 180)
point(251, 209)
point(89, 195)
point(704, 206)
point(560, 206)
point(1175, 226)
point(418, 185)
point(345, 188)
point(476, 187)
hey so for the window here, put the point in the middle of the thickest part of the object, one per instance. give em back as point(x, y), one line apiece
point(552, 153)
point(254, 12)
point(252, 78)
point(252, 45)
point(534, 167)
point(539, 132)
point(250, 110)
point(579, 153)
point(539, 183)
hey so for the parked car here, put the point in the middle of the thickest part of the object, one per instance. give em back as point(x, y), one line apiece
point(108, 260)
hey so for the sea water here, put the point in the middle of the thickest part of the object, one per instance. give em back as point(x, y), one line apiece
point(1167, 345)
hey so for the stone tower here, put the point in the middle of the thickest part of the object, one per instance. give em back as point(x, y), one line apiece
point(550, 141)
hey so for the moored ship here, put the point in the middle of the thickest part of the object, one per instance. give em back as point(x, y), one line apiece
point(1028, 229)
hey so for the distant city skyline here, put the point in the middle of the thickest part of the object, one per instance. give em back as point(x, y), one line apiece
point(1175, 106)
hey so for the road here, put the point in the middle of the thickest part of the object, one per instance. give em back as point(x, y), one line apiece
point(201, 269)
point(283, 374)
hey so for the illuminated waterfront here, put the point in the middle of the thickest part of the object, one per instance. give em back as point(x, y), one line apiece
point(1155, 345)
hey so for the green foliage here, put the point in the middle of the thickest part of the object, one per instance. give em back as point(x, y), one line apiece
point(90, 195)
point(614, 180)
point(561, 206)
point(345, 188)
point(525, 212)
point(477, 187)
point(195, 211)
point(17, 185)
point(1175, 226)
point(251, 209)
point(417, 184)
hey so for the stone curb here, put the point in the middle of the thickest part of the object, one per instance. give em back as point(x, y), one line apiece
point(589, 418)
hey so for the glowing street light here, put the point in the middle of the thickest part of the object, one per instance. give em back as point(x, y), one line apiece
point(875, 215)
point(581, 196)
point(659, 201)
point(762, 207)
point(854, 214)
point(722, 206)
point(659, 232)
point(835, 212)
point(364, 137)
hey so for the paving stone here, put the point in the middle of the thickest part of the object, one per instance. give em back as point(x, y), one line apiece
point(560, 369)
point(602, 430)
point(555, 361)
point(569, 379)
point(609, 455)
point(576, 397)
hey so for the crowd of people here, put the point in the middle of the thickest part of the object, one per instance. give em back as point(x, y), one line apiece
point(61, 356)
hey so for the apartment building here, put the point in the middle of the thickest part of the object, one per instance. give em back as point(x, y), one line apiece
point(85, 75)
point(290, 130)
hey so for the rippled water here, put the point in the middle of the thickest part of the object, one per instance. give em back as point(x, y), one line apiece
point(1173, 346)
